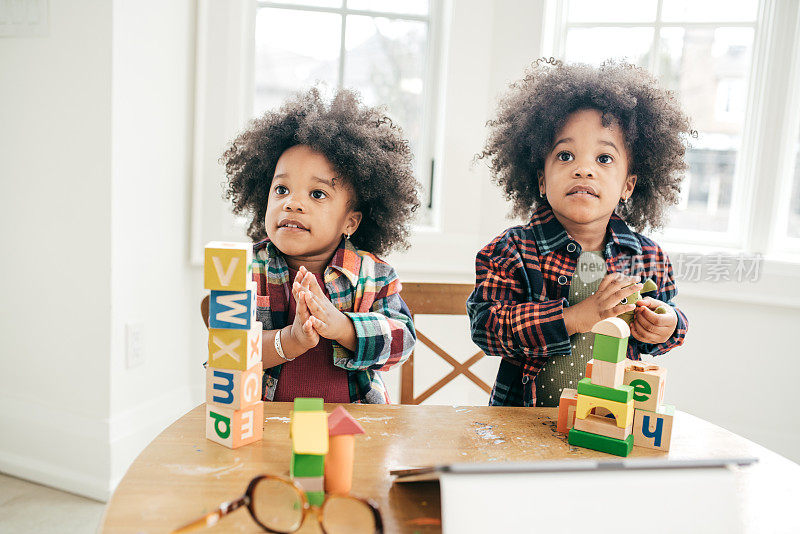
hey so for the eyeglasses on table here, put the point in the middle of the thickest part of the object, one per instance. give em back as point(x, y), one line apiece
point(280, 505)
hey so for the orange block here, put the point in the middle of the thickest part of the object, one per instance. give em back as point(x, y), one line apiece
point(339, 464)
point(235, 428)
point(566, 410)
point(228, 388)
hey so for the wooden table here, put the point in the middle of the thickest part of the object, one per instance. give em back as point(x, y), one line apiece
point(181, 475)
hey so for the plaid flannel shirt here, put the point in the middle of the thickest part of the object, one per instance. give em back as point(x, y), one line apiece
point(362, 286)
point(522, 283)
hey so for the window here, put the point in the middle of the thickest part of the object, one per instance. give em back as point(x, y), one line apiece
point(381, 48)
point(701, 50)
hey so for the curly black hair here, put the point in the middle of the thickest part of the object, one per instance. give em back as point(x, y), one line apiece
point(530, 115)
point(364, 147)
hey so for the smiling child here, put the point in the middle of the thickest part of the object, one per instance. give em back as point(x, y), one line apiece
point(584, 152)
point(328, 186)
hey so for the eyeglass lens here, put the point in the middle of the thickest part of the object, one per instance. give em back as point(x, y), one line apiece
point(278, 506)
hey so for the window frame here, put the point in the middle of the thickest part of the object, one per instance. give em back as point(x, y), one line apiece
point(749, 233)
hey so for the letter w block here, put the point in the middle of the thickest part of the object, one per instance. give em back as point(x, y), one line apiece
point(228, 266)
point(233, 309)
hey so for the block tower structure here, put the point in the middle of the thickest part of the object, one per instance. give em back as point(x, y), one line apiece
point(629, 391)
point(234, 411)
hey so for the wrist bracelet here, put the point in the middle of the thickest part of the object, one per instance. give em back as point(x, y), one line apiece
point(279, 347)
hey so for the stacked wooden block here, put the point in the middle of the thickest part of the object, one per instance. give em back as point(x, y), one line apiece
point(234, 411)
point(618, 404)
point(322, 449)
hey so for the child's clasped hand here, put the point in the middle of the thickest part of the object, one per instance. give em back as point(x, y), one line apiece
point(607, 301)
point(651, 327)
point(319, 316)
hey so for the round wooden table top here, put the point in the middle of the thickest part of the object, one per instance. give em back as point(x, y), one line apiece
point(181, 475)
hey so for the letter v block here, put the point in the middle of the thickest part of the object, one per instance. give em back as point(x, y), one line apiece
point(235, 428)
point(233, 389)
point(233, 309)
point(228, 266)
point(234, 349)
point(654, 429)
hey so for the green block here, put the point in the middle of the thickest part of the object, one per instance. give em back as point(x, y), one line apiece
point(609, 349)
point(620, 447)
point(307, 404)
point(307, 465)
point(315, 498)
point(621, 394)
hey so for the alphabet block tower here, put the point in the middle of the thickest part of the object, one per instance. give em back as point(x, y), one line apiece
point(630, 391)
point(234, 411)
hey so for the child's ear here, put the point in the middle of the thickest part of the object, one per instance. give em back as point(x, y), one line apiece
point(540, 179)
point(630, 183)
point(353, 220)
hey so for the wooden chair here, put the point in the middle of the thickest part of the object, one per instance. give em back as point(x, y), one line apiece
point(436, 299)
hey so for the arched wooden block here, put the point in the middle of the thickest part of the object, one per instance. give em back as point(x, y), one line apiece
point(613, 327)
point(623, 412)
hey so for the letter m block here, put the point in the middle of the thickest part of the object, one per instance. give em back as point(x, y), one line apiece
point(233, 389)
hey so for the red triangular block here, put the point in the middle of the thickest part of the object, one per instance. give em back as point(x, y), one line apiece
point(340, 422)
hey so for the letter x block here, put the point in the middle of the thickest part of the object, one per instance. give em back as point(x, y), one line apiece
point(233, 309)
point(233, 389)
point(235, 428)
point(648, 383)
point(234, 349)
point(654, 429)
point(228, 266)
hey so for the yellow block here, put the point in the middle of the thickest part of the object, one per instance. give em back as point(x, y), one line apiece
point(234, 349)
point(309, 431)
point(227, 266)
point(623, 411)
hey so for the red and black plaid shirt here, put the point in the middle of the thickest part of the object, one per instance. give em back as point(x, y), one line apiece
point(522, 283)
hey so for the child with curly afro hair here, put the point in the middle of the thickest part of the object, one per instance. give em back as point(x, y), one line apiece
point(328, 184)
point(586, 153)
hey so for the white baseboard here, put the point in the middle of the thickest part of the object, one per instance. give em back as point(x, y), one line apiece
point(79, 454)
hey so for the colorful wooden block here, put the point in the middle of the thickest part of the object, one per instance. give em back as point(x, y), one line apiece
point(228, 266)
point(601, 443)
point(311, 483)
point(608, 374)
point(307, 465)
point(315, 498)
point(235, 428)
point(309, 432)
point(233, 389)
point(233, 309)
point(648, 381)
point(654, 429)
point(623, 412)
point(612, 327)
point(621, 394)
point(234, 349)
point(339, 464)
point(609, 349)
point(603, 426)
point(566, 410)
point(340, 423)
point(310, 404)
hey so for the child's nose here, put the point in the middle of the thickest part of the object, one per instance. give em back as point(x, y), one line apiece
point(293, 204)
point(581, 172)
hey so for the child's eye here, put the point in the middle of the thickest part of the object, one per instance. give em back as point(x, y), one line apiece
point(281, 189)
point(565, 156)
point(605, 158)
point(318, 194)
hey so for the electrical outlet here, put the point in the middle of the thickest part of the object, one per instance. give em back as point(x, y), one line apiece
point(134, 345)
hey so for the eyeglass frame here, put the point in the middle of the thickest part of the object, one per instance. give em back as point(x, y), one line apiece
point(227, 507)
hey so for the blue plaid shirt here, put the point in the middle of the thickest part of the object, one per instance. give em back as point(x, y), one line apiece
point(522, 283)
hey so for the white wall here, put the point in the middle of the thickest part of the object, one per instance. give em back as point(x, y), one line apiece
point(55, 213)
point(152, 283)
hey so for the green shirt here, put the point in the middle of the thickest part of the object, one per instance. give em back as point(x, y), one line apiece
point(565, 370)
